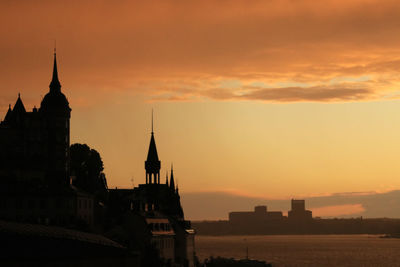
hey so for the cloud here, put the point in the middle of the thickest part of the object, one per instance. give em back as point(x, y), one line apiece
point(284, 94)
point(338, 210)
point(190, 47)
point(295, 94)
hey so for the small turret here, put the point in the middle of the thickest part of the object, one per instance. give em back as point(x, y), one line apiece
point(172, 182)
point(19, 107)
point(7, 118)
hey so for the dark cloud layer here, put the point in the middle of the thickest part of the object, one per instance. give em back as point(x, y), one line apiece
point(132, 45)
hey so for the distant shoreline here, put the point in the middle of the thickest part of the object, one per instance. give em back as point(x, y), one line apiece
point(354, 226)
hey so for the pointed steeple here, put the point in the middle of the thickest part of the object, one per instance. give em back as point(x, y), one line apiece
point(19, 106)
point(152, 155)
point(55, 101)
point(172, 182)
point(55, 85)
point(152, 164)
point(7, 118)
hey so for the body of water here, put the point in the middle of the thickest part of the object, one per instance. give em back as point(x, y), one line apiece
point(305, 250)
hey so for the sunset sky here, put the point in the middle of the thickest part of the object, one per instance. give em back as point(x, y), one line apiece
point(265, 99)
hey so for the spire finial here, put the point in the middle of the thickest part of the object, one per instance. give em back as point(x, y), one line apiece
point(19, 95)
point(55, 46)
point(55, 83)
point(152, 111)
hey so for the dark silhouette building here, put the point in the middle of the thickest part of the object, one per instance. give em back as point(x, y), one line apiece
point(298, 213)
point(153, 213)
point(35, 166)
point(259, 215)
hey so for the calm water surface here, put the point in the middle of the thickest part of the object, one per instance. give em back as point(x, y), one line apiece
point(306, 250)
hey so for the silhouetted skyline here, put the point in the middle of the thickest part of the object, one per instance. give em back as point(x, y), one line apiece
point(274, 99)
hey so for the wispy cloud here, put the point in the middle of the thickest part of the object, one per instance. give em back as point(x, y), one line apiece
point(338, 210)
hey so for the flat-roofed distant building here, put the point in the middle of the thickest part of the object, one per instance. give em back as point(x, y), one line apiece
point(298, 212)
point(260, 214)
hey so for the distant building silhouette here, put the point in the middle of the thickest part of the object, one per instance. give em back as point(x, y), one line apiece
point(299, 212)
point(259, 215)
point(35, 166)
point(152, 213)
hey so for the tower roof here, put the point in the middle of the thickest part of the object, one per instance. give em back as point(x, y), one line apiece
point(19, 106)
point(55, 100)
point(152, 155)
point(8, 115)
point(55, 83)
point(172, 181)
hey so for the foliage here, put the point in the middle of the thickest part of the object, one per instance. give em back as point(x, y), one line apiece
point(87, 167)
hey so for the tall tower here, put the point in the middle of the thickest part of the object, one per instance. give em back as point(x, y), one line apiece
point(56, 115)
point(152, 164)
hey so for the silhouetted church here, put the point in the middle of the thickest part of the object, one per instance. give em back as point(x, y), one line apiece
point(34, 163)
point(36, 187)
point(155, 213)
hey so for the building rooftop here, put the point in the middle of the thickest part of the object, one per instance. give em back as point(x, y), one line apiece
point(43, 231)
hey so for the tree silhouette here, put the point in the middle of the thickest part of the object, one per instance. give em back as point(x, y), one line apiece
point(87, 167)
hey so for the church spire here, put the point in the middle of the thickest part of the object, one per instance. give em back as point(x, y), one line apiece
point(152, 164)
point(172, 182)
point(55, 85)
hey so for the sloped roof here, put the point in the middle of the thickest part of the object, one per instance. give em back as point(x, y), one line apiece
point(34, 230)
point(19, 106)
point(152, 155)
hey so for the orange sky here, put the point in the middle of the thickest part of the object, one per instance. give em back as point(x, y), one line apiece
point(273, 98)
